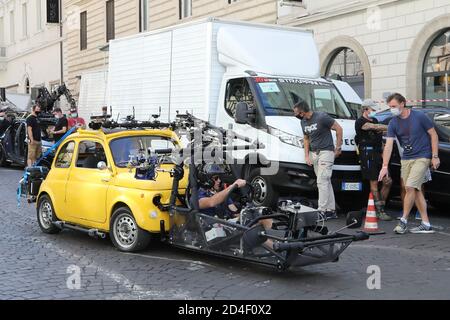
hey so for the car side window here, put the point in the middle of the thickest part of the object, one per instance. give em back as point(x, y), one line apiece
point(442, 125)
point(238, 90)
point(64, 158)
point(90, 153)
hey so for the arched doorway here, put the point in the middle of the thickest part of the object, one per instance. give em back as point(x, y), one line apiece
point(436, 70)
point(346, 65)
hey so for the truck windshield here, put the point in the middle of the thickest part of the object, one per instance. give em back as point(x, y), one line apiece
point(278, 96)
point(127, 148)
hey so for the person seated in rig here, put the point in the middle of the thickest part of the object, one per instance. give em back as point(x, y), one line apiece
point(215, 200)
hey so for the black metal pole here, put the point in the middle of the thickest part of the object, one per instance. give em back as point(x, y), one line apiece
point(61, 49)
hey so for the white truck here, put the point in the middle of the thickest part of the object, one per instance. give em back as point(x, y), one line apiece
point(208, 67)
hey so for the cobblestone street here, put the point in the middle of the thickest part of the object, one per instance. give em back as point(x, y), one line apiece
point(34, 265)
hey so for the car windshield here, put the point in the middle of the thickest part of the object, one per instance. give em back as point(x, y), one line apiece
point(124, 149)
point(278, 96)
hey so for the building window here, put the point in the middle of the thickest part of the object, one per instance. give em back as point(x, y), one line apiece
point(143, 15)
point(12, 28)
point(436, 70)
point(346, 66)
point(39, 15)
point(110, 32)
point(24, 20)
point(83, 30)
point(185, 7)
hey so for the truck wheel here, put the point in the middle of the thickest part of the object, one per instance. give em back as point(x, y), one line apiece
point(46, 215)
point(3, 162)
point(264, 194)
point(125, 233)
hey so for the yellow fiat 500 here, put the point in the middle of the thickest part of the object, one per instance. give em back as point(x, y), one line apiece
point(91, 187)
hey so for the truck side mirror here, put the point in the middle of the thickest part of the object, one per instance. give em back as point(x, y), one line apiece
point(244, 114)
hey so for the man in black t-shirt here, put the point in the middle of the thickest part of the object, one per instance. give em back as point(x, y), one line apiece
point(34, 136)
point(61, 126)
point(369, 138)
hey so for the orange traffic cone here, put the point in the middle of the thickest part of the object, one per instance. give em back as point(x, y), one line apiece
point(371, 223)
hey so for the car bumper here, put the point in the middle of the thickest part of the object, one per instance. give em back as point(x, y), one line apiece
point(302, 177)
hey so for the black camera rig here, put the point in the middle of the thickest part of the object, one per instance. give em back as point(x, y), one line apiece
point(47, 100)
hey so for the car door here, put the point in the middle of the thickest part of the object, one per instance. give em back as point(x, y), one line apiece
point(59, 176)
point(15, 139)
point(22, 143)
point(441, 177)
point(87, 186)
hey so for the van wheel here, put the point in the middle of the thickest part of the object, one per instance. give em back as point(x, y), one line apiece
point(264, 193)
point(46, 215)
point(125, 233)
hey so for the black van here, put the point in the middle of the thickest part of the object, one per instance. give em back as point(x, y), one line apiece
point(13, 141)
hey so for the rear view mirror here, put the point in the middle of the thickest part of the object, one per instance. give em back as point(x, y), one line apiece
point(102, 165)
point(244, 114)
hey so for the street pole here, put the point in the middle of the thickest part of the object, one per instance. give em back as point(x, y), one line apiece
point(61, 42)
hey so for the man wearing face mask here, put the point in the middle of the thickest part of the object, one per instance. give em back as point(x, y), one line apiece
point(320, 152)
point(419, 140)
point(34, 135)
point(61, 126)
point(369, 137)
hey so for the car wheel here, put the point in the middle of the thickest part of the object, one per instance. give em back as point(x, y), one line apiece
point(3, 162)
point(125, 233)
point(264, 193)
point(46, 215)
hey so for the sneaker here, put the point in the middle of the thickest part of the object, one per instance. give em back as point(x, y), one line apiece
point(423, 229)
point(401, 228)
point(383, 216)
point(331, 215)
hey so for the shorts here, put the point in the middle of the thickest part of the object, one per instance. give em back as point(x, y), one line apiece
point(414, 172)
point(34, 150)
point(371, 162)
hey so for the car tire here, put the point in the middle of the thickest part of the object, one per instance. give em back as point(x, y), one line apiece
point(46, 215)
point(3, 162)
point(264, 195)
point(124, 232)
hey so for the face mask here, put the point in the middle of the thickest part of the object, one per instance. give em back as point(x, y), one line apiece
point(1, 118)
point(38, 113)
point(74, 115)
point(396, 112)
point(372, 114)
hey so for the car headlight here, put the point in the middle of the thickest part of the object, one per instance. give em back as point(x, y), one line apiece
point(287, 137)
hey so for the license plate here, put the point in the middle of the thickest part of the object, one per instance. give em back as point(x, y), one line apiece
point(351, 186)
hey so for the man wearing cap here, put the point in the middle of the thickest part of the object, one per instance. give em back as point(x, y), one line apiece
point(75, 121)
point(369, 138)
point(61, 126)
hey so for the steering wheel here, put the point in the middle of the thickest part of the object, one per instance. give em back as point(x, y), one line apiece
point(245, 194)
